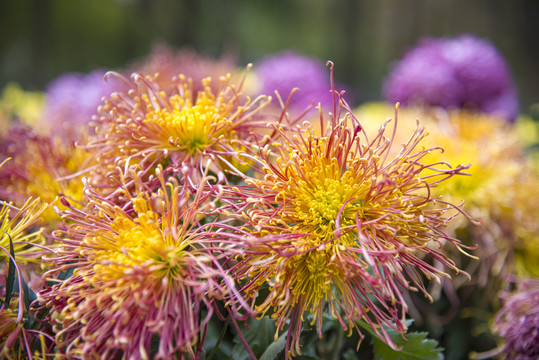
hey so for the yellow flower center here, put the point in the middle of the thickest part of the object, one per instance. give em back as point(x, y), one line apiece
point(313, 276)
point(318, 193)
point(322, 191)
point(320, 206)
point(133, 243)
point(187, 127)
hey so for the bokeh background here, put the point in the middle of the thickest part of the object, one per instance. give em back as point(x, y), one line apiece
point(41, 39)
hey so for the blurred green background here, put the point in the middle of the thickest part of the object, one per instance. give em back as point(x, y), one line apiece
point(40, 39)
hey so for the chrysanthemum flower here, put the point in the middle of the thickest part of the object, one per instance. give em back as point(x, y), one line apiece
point(179, 129)
point(518, 322)
point(508, 212)
point(336, 225)
point(461, 72)
point(14, 223)
point(145, 277)
point(41, 166)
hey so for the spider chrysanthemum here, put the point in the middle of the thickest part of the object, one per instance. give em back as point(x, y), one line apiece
point(41, 166)
point(144, 275)
point(335, 225)
point(179, 128)
point(15, 223)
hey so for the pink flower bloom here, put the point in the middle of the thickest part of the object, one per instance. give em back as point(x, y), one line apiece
point(40, 166)
point(180, 129)
point(169, 63)
point(518, 322)
point(335, 223)
point(148, 273)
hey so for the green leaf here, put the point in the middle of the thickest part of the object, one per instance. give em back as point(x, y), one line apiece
point(29, 295)
point(275, 348)
point(215, 346)
point(66, 274)
point(416, 346)
point(10, 278)
point(259, 335)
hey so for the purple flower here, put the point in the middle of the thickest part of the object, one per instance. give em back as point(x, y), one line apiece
point(518, 322)
point(288, 70)
point(72, 99)
point(478, 66)
point(411, 83)
point(460, 72)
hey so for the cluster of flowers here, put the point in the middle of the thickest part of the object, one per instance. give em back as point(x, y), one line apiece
point(138, 209)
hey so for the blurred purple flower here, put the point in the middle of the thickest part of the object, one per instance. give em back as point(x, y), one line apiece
point(518, 322)
point(288, 70)
point(72, 99)
point(478, 66)
point(461, 72)
point(411, 83)
point(505, 104)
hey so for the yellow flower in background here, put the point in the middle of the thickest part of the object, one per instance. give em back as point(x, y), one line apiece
point(502, 189)
point(43, 167)
point(528, 131)
point(526, 255)
point(26, 106)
